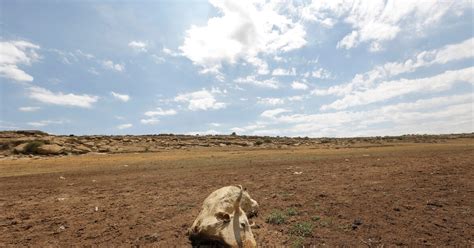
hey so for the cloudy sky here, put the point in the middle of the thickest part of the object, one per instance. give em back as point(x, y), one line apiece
point(288, 68)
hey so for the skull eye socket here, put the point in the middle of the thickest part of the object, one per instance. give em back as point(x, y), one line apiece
point(242, 225)
point(225, 217)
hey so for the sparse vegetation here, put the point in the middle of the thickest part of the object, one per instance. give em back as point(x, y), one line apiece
point(32, 147)
point(325, 222)
point(316, 218)
point(291, 212)
point(267, 140)
point(302, 229)
point(258, 142)
point(285, 195)
point(184, 206)
point(276, 217)
point(298, 242)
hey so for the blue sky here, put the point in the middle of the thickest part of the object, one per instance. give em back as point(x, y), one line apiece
point(288, 68)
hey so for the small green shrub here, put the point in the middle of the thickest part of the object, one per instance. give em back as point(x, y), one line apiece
point(302, 229)
point(298, 242)
point(316, 218)
point(325, 222)
point(276, 217)
point(258, 142)
point(267, 140)
point(291, 212)
point(32, 147)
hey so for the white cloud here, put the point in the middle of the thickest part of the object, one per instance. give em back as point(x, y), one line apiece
point(71, 57)
point(83, 54)
point(296, 98)
point(262, 66)
point(46, 96)
point(121, 97)
point(46, 123)
point(244, 30)
point(444, 114)
point(13, 54)
point(109, 64)
point(273, 112)
point(378, 21)
point(452, 52)
point(321, 73)
point(390, 89)
point(92, 70)
point(214, 70)
point(158, 59)
point(150, 121)
point(248, 128)
point(29, 109)
point(138, 46)
point(170, 52)
point(299, 86)
point(207, 132)
point(124, 126)
point(271, 101)
point(160, 112)
point(443, 55)
point(200, 100)
point(267, 83)
point(284, 72)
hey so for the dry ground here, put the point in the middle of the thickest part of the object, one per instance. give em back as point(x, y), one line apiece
point(403, 195)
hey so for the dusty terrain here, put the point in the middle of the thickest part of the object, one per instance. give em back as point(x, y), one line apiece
point(410, 191)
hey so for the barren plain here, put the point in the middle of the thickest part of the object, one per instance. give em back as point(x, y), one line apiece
point(147, 190)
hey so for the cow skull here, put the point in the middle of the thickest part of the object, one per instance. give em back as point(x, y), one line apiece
point(222, 220)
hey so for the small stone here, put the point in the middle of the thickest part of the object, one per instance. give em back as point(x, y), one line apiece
point(358, 222)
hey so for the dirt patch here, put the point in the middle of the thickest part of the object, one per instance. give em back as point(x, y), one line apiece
point(402, 195)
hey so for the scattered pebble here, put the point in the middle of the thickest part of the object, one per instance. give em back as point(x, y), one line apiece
point(356, 223)
point(96, 209)
point(125, 165)
point(62, 178)
point(61, 198)
point(297, 172)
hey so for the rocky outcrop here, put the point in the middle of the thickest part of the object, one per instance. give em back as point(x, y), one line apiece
point(20, 148)
point(52, 149)
point(36, 142)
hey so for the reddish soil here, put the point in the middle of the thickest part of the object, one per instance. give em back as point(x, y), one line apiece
point(402, 195)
